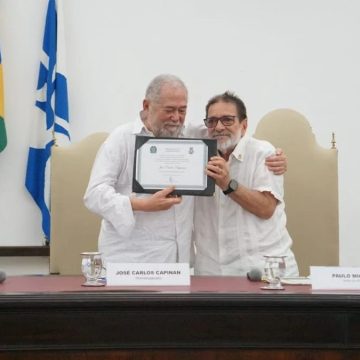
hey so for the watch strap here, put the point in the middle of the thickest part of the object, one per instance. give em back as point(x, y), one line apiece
point(231, 187)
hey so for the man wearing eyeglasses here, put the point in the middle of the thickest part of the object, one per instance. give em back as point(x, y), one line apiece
point(245, 220)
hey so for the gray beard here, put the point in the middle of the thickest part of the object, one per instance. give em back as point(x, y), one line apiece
point(229, 144)
point(166, 133)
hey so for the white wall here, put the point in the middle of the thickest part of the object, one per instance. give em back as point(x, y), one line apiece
point(300, 54)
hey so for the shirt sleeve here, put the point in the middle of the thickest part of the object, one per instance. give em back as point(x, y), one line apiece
point(101, 196)
point(264, 179)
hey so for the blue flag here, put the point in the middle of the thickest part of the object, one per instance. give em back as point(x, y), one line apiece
point(52, 127)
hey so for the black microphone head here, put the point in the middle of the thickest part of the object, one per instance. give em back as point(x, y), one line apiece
point(255, 274)
point(2, 276)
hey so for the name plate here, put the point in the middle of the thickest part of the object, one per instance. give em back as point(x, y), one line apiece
point(335, 278)
point(147, 274)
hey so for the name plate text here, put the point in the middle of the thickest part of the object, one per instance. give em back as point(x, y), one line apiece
point(335, 278)
point(147, 274)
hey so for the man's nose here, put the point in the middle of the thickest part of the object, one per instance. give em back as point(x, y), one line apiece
point(219, 126)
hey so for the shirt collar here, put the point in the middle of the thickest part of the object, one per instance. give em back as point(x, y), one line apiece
point(240, 149)
point(140, 128)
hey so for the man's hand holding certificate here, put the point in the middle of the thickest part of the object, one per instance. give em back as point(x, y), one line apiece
point(178, 162)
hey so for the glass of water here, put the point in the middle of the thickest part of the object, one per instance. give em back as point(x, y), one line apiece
point(91, 267)
point(274, 269)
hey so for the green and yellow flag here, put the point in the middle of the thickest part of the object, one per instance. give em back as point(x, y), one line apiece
point(3, 140)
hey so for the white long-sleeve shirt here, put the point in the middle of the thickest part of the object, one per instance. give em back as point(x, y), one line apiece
point(127, 235)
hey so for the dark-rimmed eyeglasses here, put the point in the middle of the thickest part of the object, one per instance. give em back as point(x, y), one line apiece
point(226, 120)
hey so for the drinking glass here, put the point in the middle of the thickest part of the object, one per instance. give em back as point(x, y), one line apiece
point(91, 267)
point(274, 271)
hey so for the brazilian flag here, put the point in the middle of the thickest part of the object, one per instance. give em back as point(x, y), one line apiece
point(3, 140)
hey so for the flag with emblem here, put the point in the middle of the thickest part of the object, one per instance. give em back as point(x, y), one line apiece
point(52, 125)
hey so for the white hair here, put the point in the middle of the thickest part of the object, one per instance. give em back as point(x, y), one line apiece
point(154, 88)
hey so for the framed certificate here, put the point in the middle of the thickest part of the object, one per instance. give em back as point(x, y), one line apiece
point(181, 162)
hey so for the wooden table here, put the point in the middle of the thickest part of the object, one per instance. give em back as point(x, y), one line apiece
point(54, 317)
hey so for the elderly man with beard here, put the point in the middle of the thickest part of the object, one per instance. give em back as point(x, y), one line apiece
point(141, 227)
point(245, 219)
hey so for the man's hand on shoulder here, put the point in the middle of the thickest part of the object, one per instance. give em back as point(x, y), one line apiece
point(277, 163)
point(161, 200)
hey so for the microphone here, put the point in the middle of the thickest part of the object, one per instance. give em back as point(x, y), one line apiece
point(2, 276)
point(255, 274)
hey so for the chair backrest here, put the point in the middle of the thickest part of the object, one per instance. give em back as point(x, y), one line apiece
point(74, 229)
point(311, 188)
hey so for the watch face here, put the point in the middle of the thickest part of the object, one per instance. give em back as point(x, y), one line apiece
point(233, 185)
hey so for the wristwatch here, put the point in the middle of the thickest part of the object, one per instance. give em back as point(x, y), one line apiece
point(233, 185)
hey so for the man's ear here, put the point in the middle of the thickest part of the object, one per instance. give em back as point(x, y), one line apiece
point(146, 104)
point(244, 126)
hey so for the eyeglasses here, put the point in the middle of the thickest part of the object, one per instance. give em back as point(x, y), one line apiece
point(226, 120)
